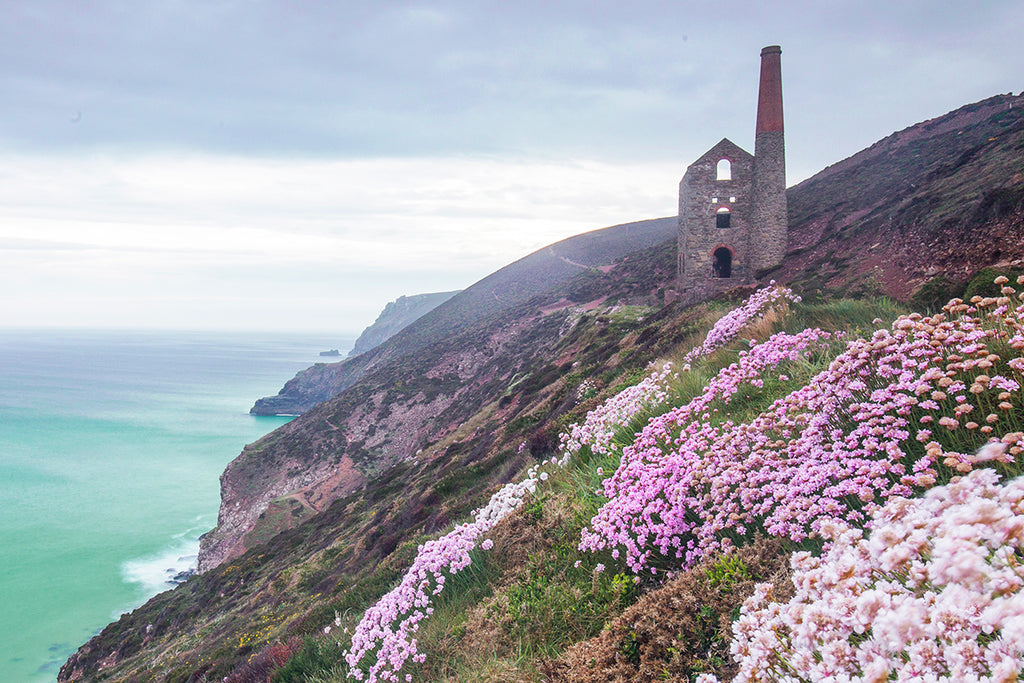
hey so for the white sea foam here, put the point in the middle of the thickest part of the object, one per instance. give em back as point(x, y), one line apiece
point(163, 570)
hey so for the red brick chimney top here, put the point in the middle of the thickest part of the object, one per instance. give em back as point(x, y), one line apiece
point(769, 95)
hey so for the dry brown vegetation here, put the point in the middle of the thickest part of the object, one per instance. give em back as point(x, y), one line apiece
point(680, 629)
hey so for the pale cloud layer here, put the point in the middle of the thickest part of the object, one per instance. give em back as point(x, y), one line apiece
point(255, 164)
point(207, 240)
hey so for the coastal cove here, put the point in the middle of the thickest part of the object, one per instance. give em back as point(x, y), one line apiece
point(111, 445)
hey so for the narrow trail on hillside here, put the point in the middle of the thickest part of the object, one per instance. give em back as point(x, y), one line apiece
point(551, 250)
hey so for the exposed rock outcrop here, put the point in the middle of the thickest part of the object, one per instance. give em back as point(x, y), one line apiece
point(396, 316)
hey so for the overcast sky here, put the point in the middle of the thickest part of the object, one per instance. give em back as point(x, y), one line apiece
point(247, 164)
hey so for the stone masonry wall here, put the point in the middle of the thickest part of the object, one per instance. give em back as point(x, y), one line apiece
point(770, 221)
point(699, 235)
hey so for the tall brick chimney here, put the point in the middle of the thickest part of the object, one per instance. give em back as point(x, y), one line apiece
point(769, 93)
point(768, 236)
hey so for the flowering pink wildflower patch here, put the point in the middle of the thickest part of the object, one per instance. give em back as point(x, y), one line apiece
point(599, 427)
point(932, 593)
point(890, 416)
point(732, 323)
point(384, 639)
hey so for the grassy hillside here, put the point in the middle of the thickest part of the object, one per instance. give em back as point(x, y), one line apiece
point(432, 432)
point(533, 606)
point(928, 205)
point(290, 580)
point(854, 231)
point(629, 555)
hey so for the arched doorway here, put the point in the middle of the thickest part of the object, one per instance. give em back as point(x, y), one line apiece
point(722, 264)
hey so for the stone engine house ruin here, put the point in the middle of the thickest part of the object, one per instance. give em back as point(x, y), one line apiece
point(732, 205)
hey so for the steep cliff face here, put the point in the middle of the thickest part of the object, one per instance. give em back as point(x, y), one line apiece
point(396, 316)
point(323, 380)
point(421, 386)
point(310, 386)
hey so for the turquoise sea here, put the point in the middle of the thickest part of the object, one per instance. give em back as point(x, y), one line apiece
point(111, 445)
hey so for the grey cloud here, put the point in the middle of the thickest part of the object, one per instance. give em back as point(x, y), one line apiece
point(607, 80)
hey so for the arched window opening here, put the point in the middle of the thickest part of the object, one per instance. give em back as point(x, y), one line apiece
point(722, 217)
point(724, 171)
point(722, 265)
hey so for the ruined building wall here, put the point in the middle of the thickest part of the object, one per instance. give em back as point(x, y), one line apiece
point(701, 196)
point(755, 239)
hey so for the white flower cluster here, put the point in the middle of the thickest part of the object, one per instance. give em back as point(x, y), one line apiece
point(933, 593)
point(600, 425)
point(385, 636)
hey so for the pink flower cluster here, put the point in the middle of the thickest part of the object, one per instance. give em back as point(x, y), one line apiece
point(643, 508)
point(860, 432)
point(933, 593)
point(385, 636)
point(728, 326)
point(599, 427)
